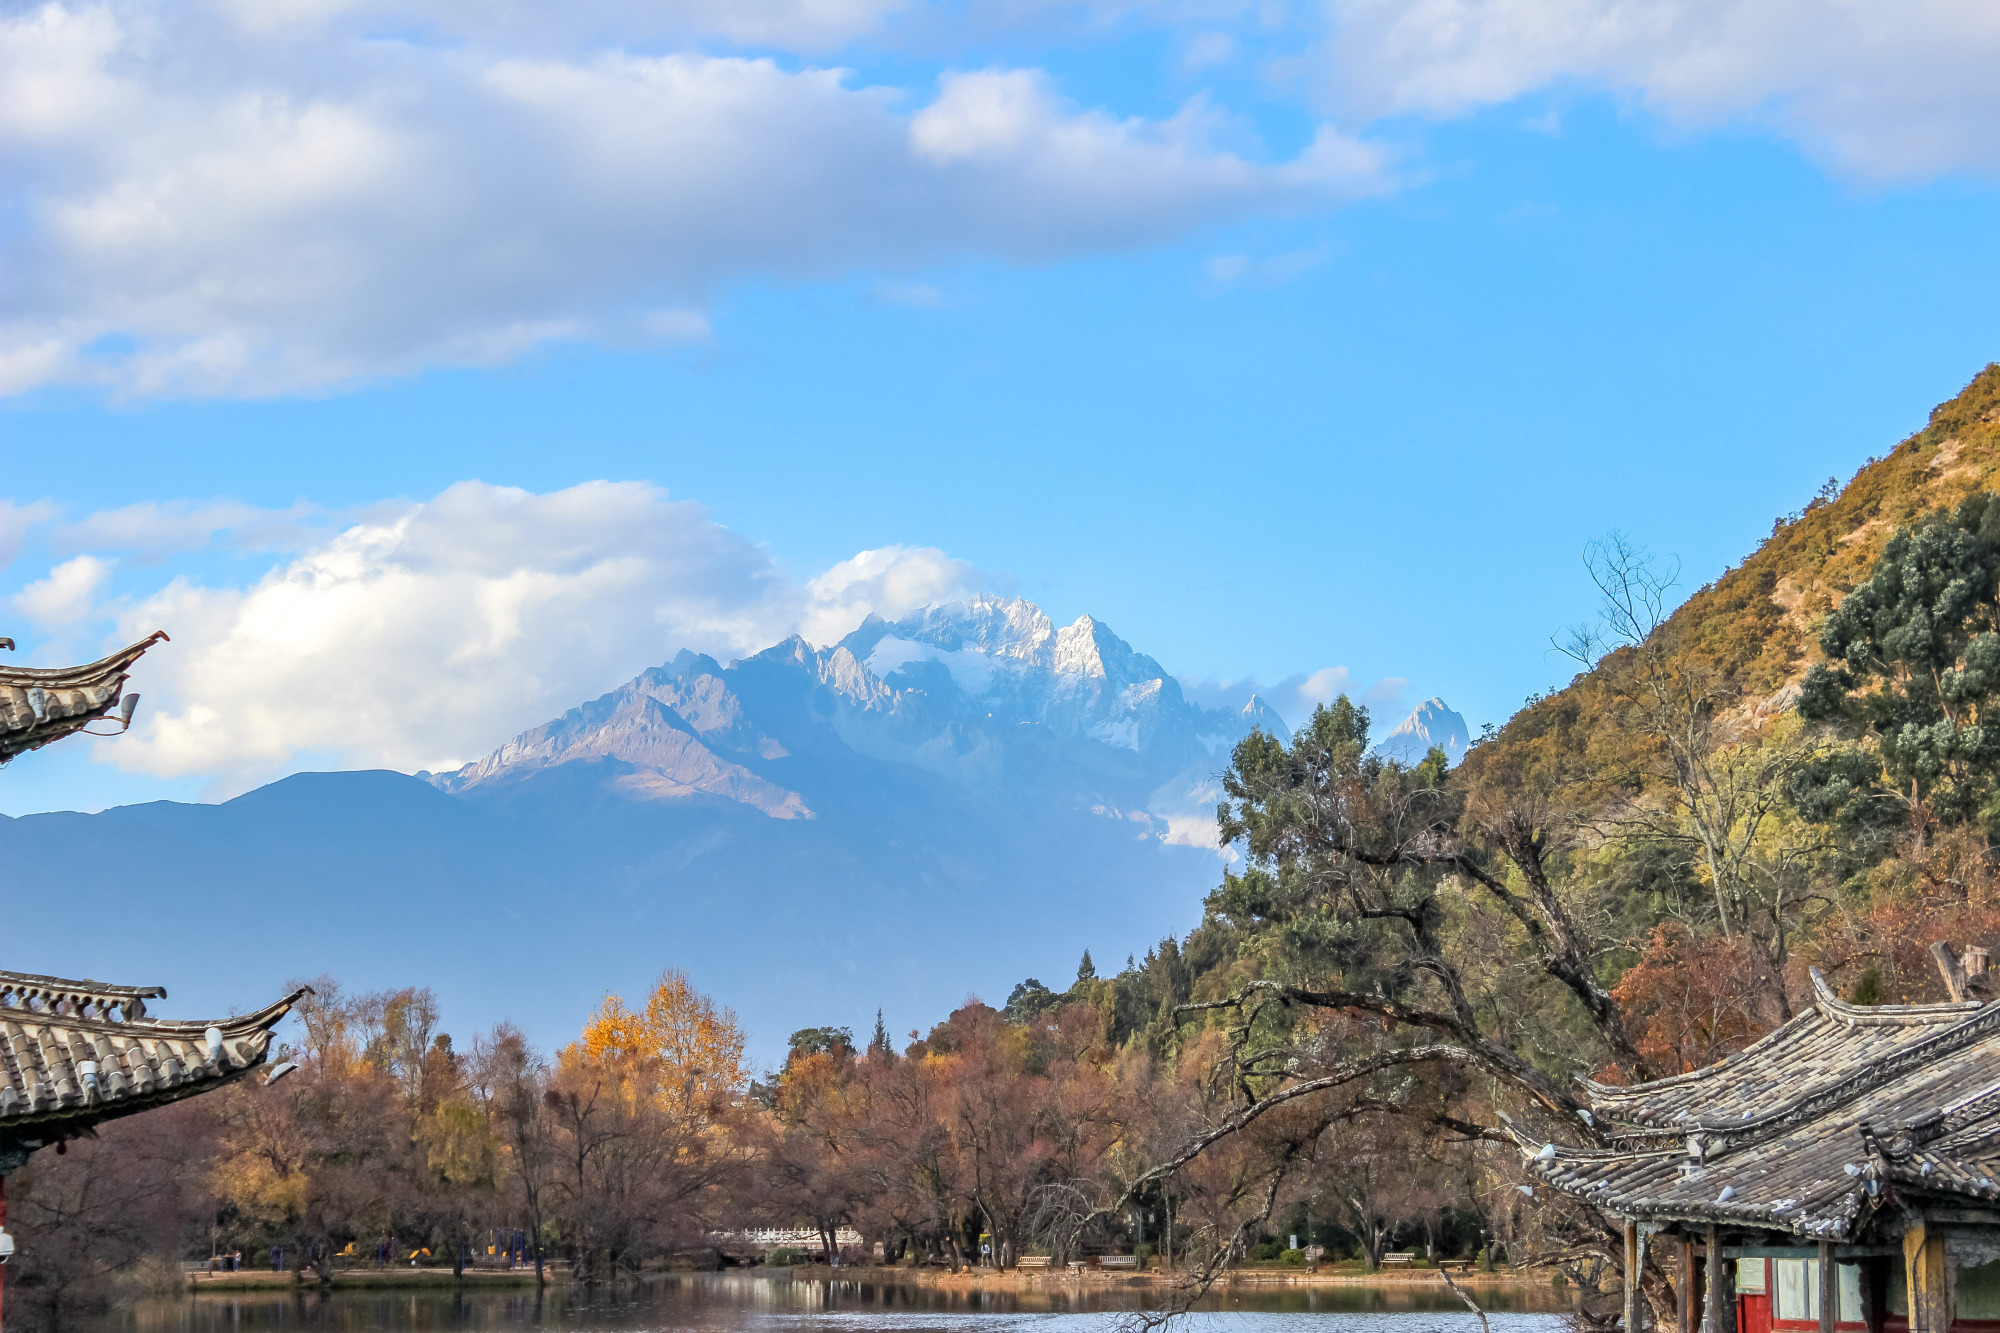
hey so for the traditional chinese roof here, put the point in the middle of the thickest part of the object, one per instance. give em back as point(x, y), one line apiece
point(41, 705)
point(73, 1053)
point(1808, 1129)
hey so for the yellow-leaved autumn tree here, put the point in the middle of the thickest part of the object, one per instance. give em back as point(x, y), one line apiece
point(682, 1048)
point(643, 1103)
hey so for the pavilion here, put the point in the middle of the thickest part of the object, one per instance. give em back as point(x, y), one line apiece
point(74, 1054)
point(1843, 1173)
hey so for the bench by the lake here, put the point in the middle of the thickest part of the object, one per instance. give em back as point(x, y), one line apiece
point(1118, 1261)
point(1402, 1259)
point(1032, 1261)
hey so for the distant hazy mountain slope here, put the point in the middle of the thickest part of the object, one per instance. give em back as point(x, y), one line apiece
point(939, 805)
point(1432, 722)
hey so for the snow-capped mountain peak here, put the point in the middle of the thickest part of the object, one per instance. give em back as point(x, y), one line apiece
point(1006, 627)
point(1256, 715)
point(1432, 723)
point(981, 691)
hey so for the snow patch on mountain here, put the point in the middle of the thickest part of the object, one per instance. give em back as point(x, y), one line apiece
point(971, 669)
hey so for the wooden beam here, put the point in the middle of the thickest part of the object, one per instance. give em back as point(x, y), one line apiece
point(1809, 1251)
point(1829, 1288)
point(1970, 1217)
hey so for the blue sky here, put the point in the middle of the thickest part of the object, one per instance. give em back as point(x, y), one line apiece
point(1285, 339)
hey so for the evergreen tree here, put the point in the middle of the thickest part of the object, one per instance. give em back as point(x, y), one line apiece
point(1086, 970)
point(1913, 660)
point(820, 1041)
point(1028, 999)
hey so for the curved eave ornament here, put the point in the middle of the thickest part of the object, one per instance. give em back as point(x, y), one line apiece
point(75, 1053)
point(39, 705)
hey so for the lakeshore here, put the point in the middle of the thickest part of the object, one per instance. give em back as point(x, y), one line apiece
point(364, 1279)
point(970, 1279)
point(869, 1300)
point(1241, 1278)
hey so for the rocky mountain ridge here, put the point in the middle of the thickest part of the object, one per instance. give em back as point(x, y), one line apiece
point(987, 692)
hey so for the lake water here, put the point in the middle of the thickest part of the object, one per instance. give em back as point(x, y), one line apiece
point(728, 1303)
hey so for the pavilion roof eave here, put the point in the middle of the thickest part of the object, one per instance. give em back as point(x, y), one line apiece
point(1737, 1110)
point(43, 704)
point(1606, 1097)
point(74, 675)
point(66, 1065)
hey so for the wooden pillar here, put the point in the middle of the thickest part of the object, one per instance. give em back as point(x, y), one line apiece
point(1690, 1309)
point(1925, 1281)
point(1721, 1316)
point(3, 1227)
point(1829, 1288)
point(1631, 1275)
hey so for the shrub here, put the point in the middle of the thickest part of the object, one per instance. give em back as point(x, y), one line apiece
point(1292, 1258)
point(1265, 1252)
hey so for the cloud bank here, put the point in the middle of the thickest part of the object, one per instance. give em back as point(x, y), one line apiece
point(425, 635)
point(259, 200)
point(1879, 93)
point(255, 197)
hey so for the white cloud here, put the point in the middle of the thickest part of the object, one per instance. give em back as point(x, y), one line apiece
point(916, 295)
point(66, 596)
point(891, 581)
point(1236, 270)
point(1206, 50)
point(15, 522)
point(1323, 686)
point(1388, 692)
point(150, 530)
point(253, 197)
point(793, 25)
point(214, 206)
point(1295, 696)
point(421, 639)
point(426, 634)
point(1881, 92)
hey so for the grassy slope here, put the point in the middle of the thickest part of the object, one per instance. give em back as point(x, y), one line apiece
point(1760, 620)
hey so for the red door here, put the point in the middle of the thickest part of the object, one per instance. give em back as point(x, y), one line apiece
point(1753, 1313)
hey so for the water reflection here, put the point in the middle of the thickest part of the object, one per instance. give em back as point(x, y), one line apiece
point(727, 1303)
